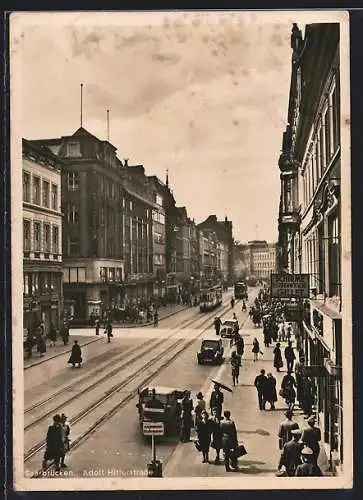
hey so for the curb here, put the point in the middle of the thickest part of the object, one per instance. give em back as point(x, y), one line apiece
point(95, 340)
point(58, 354)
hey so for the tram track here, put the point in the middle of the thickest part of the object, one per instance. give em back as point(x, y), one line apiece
point(164, 357)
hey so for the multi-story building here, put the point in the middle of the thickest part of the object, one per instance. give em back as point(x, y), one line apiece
point(257, 259)
point(224, 234)
point(310, 215)
point(208, 257)
point(42, 236)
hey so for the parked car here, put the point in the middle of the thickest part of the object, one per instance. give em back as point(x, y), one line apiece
point(160, 404)
point(227, 332)
point(230, 322)
point(211, 351)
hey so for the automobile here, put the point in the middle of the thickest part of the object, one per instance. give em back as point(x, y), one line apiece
point(231, 322)
point(160, 404)
point(227, 332)
point(211, 351)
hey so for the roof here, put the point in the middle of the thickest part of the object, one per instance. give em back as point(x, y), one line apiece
point(162, 390)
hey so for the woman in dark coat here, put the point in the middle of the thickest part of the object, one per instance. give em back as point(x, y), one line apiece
point(270, 392)
point(52, 335)
point(235, 364)
point(277, 357)
point(41, 345)
point(255, 349)
point(215, 422)
point(76, 355)
point(204, 431)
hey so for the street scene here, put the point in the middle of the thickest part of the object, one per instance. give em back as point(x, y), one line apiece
point(184, 295)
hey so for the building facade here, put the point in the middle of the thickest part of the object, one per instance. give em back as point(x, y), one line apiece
point(224, 234)
point(255, 260)
point(42, 237)
point(310, 216)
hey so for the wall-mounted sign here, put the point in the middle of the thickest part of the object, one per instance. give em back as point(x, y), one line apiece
point(286, 286)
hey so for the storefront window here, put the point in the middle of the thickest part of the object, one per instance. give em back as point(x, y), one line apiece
point(334, 257)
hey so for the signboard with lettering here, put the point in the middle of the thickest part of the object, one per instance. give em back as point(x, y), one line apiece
point(153, 428)
point(286, 286)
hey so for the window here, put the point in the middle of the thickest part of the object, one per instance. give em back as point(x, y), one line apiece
point(55, 242)
point(26, 236)
point(131, 206)
point(73, 149)
point(322, 148)
point(46, 282)
point(73, 278)
point(111, 274)
point(66, 275)
point(47, 247)
point(336, 118)
point(35, 283)
point(321, 268)
point(327, 124)
point(81, 274)
point(159, 200)
point(53, 281)
point(158, 238)
point(45, 194)
point(73, 247)
point(72, 213)
point(54, 202)
point(26, 187)
point(102, 216)
point(334, 256)
point(27, 284)
point(36, 190)
point(73, 181)
point(103, 273)
point(37, 240)
point(317, 160)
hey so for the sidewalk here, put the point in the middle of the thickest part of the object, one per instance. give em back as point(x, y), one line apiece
point(164, 312)
point(257, 430)
point(59, 349)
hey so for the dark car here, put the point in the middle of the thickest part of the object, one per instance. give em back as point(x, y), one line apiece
point(211, 351)
point(227, 332)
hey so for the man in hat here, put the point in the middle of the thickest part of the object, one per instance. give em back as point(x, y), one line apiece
point(291, 453)
point(229, 440)
point(311, 437)
point(216, 400)
point(308, 468)
point(261, 386)
point(66, 430)
point(186, 416)
point(199, 408)
point(217, 324)
point(285, 429)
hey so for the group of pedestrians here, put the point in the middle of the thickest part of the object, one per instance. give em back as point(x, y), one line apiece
point(57, 442)
point(214, 429)
point(37, 337)
point(300, 448)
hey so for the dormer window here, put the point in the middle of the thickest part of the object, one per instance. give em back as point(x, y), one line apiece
point(73, 149)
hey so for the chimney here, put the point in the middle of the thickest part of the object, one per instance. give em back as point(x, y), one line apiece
point(126, 162)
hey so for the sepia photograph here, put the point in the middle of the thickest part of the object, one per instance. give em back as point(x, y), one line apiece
point(181, 250)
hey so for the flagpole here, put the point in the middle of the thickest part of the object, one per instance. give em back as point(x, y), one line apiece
point(81, 104)
point(108, 125)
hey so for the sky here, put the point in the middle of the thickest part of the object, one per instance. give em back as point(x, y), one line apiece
point(204, 95)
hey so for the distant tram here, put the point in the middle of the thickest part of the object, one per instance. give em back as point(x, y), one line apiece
point(240, 290)
point(210, 298)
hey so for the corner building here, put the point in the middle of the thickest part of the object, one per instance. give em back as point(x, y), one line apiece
point(310, 217)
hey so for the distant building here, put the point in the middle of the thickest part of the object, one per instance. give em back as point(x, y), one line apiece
point(224, 234)
point(42, 237)
point(256, 259)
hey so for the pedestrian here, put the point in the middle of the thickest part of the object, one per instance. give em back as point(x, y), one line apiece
point(216, 434)
point(308, 468)
point(217, 324)
point(52, 335)
point(64, 332)
point(199, 408)
point(76, 355)
point(235, 364)
point(285, 428)
point(244, 308)
point(311, 438)
point(256, 349)
point(270, 393)
point(41, 345)
point(229, 440)
point(66, 430)
point(204, 432)
point(281, 331)
point(308, 397)
point(289, 356)
point(97, 326)
point(216, 400)
point(288, 385)
point(54, 444)
point(108, 331)
point(277, 357)
point(232, 302)
point(156, 318)
point(240, 346)
point(260, 384)
point(186, 417)
point(291, 453)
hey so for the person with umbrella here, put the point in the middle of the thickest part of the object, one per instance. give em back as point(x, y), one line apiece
point(217, 397)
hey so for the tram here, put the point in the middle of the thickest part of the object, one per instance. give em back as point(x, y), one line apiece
point(210, 298)
point(240, 290)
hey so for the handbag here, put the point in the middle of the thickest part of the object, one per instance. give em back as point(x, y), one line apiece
point(238, 452)
point(197, 445)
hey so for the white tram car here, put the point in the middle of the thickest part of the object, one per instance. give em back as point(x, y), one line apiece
point(210, 298)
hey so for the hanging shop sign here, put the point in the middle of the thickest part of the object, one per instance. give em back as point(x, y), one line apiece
point(293, 286)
